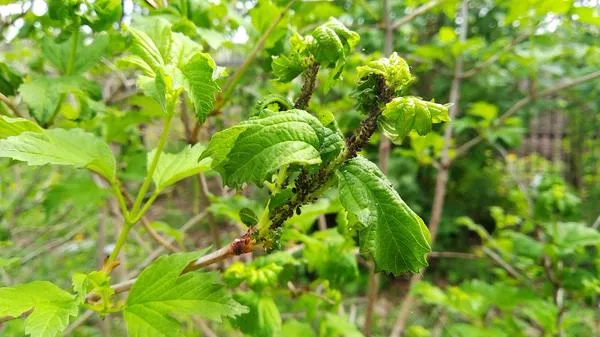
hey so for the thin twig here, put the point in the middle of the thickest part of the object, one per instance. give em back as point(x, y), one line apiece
point(491, 60)
point(206, 330)
point(204, 198)
point(240, 246)
point(418, 11)
point(456, 255)
point(461, 150)
point(162, 241)
point(79, 322)
point(10, 105)
point(147, 225)
point(500, 261)
point(596, 223)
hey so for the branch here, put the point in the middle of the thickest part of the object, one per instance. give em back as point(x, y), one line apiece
point(242, 245)
point(204, 198)
point(500, 261)
point(596, 223)
point(461, 150)
point(307, 186)
point(418, 11)
point(10, 105)
point(162, 241)
point(153, 234)
point(454, 255)
point(310, 80)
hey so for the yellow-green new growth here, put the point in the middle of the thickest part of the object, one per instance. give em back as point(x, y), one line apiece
point(394, 69)
point(404, 114)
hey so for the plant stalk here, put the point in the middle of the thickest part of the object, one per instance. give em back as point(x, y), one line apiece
point(148, 179)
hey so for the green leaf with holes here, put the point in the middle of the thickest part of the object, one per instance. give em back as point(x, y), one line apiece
point(393, 235)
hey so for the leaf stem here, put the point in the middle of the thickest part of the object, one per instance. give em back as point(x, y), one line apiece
point(148, 179)
point(68, 71)
point(72, 52)
point(119, 244)
point(146, 206)
point(116, 186)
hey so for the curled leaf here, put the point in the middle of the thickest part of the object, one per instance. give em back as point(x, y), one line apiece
point(404, 114)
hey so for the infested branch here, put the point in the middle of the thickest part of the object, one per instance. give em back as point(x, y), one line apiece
point(310, 81)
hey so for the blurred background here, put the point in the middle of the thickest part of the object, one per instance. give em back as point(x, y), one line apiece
point(510, 189)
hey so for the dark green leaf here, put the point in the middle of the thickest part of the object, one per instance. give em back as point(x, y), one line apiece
point(394, 236)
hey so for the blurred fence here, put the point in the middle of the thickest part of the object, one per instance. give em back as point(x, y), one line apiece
point(570, 142)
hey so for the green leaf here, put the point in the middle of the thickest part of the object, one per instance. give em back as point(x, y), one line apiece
point(173, 167)
point(144, 48)
point(248, 216)
point(108, 12)
point(9, 80)
point(155, 88)
point(42, 97)
point(252, 150)
point(162, 291)
point(294, 328)
point(200, 84)
point(394, 69)
point(263, 318)
point(52, 307)
point(88, 55)
point(286, 68)
point(97, 282)
point(43, 94)
point(404, 114)
point(333, 42)
point(15, 126)
point(571, 236)
point(62, 9)
point(338, 326)
point(262, 16)
point(73, 147)
point(329, 47)
point(331, 255)
point(394, 236)
point(182, 49)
